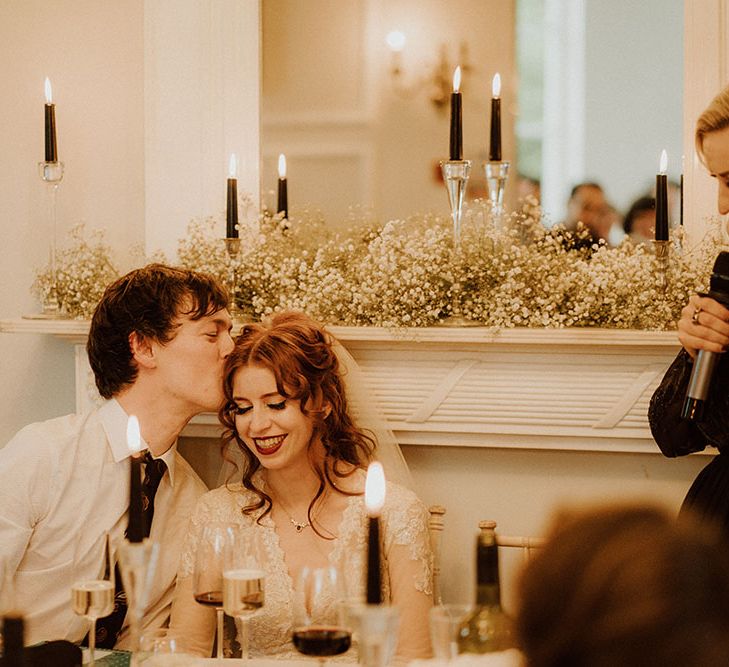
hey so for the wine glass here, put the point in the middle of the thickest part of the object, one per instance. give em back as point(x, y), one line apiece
point(321, 623)
point(94, 598)
point(207, 575)
point(243, 580)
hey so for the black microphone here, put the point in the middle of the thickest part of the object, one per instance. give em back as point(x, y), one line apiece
point(698, 389)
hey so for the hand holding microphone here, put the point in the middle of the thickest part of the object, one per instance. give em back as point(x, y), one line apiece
point(704, 333)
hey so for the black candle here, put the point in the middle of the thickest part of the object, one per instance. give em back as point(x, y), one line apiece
point(374, 583)
point(456, 143)
point(135, 520)
point(51, 151)
point(495, 134)
point(662, 200)
point(374, 501)
point(231, 208)
point(680, 204)
point(282, 204)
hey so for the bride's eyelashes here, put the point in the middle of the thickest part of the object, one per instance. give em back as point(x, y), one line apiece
point(241, 410)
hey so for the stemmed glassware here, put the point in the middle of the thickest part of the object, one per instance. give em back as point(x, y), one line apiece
point(94, 598)
point(243, 580)
point(321, 622)
point(207, 577)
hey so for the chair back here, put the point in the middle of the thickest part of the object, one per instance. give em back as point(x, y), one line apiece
point(526, 544)
point(435, 528)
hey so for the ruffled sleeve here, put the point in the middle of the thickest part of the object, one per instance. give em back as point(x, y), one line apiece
point(676, 436)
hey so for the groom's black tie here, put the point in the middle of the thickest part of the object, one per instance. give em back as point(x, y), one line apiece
point(108, 628)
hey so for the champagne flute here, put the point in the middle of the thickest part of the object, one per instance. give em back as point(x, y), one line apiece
point(321, 623)
point(94, 598)
point(207, 574)
point(243, 581)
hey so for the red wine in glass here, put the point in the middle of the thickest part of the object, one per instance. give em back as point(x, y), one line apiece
point(210, 598)
point(322, 641)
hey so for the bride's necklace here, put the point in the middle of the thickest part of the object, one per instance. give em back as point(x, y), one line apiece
point(298, 525)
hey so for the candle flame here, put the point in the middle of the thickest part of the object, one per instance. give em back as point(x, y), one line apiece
point(134, 439)
point(233, 166)
point(375, 488)
point(395, 40)
point(457, 79)
point(496, 85)
point(664, 162)
point(49, 91)
point(282, 166)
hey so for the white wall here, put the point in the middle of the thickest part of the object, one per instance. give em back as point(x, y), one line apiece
point(92, 52)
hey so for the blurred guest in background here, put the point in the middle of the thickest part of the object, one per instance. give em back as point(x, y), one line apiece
point(626, 586)
point(526, 186)
point(640, 220)
point(587, 204)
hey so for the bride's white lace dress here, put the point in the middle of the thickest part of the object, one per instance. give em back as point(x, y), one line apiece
point(404, 524)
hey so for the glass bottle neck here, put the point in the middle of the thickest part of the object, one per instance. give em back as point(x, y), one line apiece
point(488, 591)
point(488, 595)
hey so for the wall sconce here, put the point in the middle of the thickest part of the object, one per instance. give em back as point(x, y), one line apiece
point(437, 81)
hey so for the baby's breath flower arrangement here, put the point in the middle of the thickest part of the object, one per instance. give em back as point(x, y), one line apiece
point(511, 271)
point(83, 270)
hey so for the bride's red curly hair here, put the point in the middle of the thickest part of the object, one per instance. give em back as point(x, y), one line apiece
point(299, 353)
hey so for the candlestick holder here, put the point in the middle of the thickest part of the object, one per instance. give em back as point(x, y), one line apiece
point(455, 176)
point(497, 173)
point(232, 245)
point(138, 565)
point(376, 627)
point(662, 252)
point(51, 173)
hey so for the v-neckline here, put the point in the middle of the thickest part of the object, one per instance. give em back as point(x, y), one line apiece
point(332, 557)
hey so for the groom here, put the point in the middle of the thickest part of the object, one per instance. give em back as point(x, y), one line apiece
point(157, 345)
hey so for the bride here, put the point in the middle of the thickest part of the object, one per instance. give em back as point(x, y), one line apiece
point(303, 461)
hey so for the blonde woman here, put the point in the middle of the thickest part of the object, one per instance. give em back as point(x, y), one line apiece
point(704, 325)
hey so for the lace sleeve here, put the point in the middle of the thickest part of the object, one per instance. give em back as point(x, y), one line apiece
point(676, 436)
point(409, 569)
point(406, 519)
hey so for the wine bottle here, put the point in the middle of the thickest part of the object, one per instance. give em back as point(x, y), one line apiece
point(488, 628)
point(13, 638)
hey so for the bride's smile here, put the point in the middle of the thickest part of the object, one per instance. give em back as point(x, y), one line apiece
point(272, 426)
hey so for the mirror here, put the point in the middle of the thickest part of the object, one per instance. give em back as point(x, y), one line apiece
point(591, 90)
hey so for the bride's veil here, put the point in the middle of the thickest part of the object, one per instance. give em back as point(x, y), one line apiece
point(367, 415)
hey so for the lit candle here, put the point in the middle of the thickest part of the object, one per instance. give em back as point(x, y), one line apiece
point(374, 501)
point(456, 147)
point(396, 42)
point(283, 196)
point(495, 143)
point(135, 520)
point(231, 211)
point(50, 109)
point(662, 199)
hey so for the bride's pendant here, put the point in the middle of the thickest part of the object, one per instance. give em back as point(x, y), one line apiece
point(299, 526)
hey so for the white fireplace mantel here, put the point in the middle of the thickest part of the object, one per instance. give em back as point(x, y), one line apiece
point(567, 389)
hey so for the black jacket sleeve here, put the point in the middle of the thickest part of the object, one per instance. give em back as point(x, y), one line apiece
point(676, 436)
